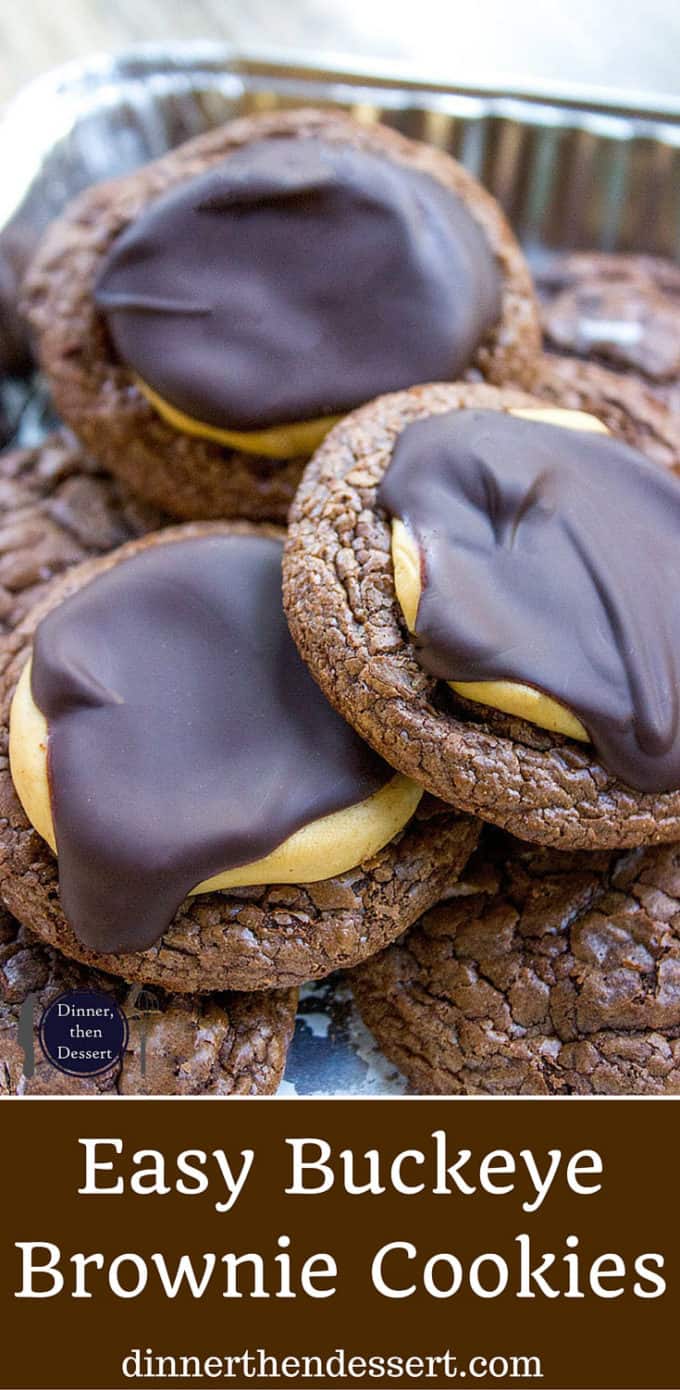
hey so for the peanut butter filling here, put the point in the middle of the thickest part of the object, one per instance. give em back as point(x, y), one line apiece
point(299, 439)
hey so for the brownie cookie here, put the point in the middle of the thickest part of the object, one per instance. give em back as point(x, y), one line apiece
point(219, 1045)
point(202, 392)
point(537, 777)
point(628, 406)
point(57, 508)
point(563, 977)
point(117, 620)
point(622, 311)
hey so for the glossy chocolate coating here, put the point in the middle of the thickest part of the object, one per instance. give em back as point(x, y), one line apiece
point(295, 280)
point(550, 557)
point(186, 736)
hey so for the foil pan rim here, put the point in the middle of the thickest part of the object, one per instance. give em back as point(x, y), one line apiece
point(136, 61)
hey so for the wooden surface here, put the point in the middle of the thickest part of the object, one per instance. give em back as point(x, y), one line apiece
point(607, 42)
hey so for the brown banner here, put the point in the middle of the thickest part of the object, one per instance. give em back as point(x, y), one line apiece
point(500, 1243)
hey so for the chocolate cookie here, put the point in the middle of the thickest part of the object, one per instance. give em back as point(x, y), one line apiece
point(562, 977)
point(57, 508)
point(245, 938)
point(219, 1045)
point(396, 220)
point(622, 311)
point(339, 591)
point(627, 405)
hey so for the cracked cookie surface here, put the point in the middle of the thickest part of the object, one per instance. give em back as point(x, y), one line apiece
point(561, 977)
point(622, 311)
point(57, 507)
point(342, 610)
point(220, 1045)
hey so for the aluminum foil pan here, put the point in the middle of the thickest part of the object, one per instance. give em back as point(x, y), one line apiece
point(572, 168)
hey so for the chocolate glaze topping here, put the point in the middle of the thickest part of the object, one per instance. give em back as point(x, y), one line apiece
point(298, 279)
point(186, 736)
point(550, 557)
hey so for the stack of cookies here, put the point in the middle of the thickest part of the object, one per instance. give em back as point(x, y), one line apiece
point(340, 630)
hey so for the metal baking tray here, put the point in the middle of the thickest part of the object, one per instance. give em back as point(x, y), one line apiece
point(572, 168)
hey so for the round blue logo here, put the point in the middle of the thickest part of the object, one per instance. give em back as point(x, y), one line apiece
point(83, 1032)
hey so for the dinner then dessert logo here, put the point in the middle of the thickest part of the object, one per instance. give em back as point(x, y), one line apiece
point(83, 1032)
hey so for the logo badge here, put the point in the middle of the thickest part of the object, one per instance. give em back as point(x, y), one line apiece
point(83, 1032)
